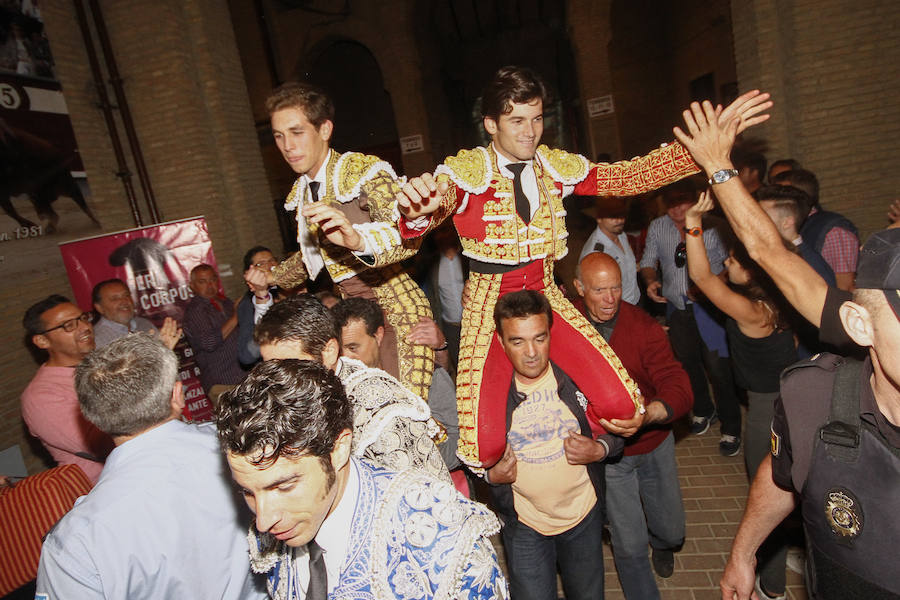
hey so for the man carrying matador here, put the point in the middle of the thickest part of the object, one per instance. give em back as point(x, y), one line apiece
point(506, 201)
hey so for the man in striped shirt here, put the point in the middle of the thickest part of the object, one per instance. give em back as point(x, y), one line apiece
point(697, 338)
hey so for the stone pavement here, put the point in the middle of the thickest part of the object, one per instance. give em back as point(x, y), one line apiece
point(714, 490)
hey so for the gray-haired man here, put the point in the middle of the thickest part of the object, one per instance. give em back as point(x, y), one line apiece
point(163, 520)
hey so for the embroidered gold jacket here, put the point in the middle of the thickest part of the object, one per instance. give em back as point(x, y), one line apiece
point(483, 208)
point(364, 188)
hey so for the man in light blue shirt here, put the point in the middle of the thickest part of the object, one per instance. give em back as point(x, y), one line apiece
point(697, 336)
point(163, 520)
point(112, 301)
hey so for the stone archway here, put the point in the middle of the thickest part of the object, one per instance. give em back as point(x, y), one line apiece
point(364, 115)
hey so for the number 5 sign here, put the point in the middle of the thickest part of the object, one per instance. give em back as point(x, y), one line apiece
point(9, 97)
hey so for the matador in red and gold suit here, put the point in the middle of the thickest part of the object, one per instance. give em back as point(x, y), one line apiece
point(508, 253)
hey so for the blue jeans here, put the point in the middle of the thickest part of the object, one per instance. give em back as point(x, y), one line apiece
point(650, 480)
point(532, 558)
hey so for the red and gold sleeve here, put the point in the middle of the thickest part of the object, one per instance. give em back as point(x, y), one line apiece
point(659, 168)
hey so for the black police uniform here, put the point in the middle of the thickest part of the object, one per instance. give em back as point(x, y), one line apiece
point(831, 444)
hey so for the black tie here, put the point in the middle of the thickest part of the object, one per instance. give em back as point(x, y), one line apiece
point(318, 578)
point(523, 207)
point(314, 190)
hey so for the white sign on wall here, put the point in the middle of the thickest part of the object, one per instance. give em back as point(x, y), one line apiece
point(602, 105)
point(412, 144)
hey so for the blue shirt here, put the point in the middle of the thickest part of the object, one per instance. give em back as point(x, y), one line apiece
point(662, 239)
point(600, 242)
point(106, 331)
point(163, 521)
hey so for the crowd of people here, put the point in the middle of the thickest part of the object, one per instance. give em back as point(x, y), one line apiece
point(355, 413)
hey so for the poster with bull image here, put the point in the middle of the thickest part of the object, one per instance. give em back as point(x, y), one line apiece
point(155, 262)
point(44, 194)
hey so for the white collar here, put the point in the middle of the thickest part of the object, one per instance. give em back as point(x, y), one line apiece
point(320, 175)
point(333, 536)
point(503, 162)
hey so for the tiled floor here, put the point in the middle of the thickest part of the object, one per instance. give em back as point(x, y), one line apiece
point(714, 489)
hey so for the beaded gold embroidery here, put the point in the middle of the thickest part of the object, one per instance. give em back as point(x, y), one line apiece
point(564, 167)
point(661, 167)
point(353, 170)
point(404, 302)
point(469, 169)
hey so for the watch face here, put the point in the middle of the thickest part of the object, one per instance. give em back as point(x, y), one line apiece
point(723, 175)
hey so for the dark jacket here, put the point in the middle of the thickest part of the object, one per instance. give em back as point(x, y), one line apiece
point(568, 393)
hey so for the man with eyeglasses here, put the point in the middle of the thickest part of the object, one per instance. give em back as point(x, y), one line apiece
point(697, 338)
point(49, 403)
point(255, 303)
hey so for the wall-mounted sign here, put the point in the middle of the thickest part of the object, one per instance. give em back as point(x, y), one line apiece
point(602, 105)
point(412, 144)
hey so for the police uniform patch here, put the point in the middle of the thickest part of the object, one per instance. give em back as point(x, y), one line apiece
point(843, 513)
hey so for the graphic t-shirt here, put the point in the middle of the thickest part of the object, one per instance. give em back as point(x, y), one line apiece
point(550, 495)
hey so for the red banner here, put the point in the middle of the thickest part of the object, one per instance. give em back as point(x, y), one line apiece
point(155, 262)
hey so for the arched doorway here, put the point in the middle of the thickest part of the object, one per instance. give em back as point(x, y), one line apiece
point(364, 115)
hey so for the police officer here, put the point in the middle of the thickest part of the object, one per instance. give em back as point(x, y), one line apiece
point(836, 451)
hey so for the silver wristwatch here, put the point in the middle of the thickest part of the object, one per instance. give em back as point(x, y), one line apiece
point(722, 176)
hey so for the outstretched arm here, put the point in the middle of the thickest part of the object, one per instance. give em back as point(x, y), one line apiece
point(727, 300)
point(710, 142)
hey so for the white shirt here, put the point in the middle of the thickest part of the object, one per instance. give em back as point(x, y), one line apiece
point(450, 288)
point(260, 310)
point(162, 522)
point(309, 246)
point(333, 536)
point(631, 292)
point(529, 179)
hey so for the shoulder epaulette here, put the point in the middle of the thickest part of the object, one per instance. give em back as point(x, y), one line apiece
point(353, 170)
point(823, 360)
point(564, 167)
point(470, 170)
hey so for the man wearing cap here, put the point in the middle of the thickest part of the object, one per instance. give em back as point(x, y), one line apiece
point(836, 431)
point(836, 448)
point(609, 237)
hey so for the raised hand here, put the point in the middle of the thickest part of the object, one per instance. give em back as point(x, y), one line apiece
point(747, 108)
point(258, 280)
point(709, 136)
point(169, 333)
point(703, 205)
point(421, 196)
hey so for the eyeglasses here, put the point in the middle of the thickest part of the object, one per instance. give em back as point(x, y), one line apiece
point(269, 262)
point(680, 255)
point(70, 325)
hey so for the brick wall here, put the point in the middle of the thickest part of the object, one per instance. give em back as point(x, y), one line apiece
point(185, 87)
point(833, 67)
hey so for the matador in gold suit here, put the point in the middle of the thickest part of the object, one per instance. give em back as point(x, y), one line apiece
point(508, 253)
point(364, 188)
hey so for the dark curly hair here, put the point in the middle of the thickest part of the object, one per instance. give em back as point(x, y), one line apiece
point(284, 408)
point(510, 85)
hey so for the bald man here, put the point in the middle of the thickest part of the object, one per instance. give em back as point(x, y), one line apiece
point(643, 498)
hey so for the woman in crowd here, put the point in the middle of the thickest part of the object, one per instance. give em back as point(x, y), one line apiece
point(761, 346)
